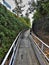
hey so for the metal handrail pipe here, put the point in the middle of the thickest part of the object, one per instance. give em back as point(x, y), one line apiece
point(4, 60)
point(39, 47)
point(41, 51)
point(41, 41)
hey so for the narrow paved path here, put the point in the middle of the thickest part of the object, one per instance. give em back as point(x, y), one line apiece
point(26, 55)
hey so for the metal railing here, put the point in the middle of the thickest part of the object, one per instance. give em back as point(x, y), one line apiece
point(13, 48)
point(12, 51)
point(43, 47)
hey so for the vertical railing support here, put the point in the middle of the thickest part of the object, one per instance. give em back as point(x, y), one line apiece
point(42, 47)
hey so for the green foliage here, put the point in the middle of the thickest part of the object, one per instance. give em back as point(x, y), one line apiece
point(41, 16)
point(10, 26)
point(25, 20)
point(37, 16)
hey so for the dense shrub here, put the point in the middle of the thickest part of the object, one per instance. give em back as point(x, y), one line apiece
point(10, 26)
point(41, 16)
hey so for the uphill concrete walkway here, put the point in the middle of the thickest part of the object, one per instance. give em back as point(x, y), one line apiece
point(26, 55)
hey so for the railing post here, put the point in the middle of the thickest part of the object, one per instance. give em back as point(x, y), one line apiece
point(42, 47)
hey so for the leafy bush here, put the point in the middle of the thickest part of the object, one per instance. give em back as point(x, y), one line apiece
point(10, 26)
point(41, 16)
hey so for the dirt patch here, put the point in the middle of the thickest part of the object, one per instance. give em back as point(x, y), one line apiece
point(44, 37)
